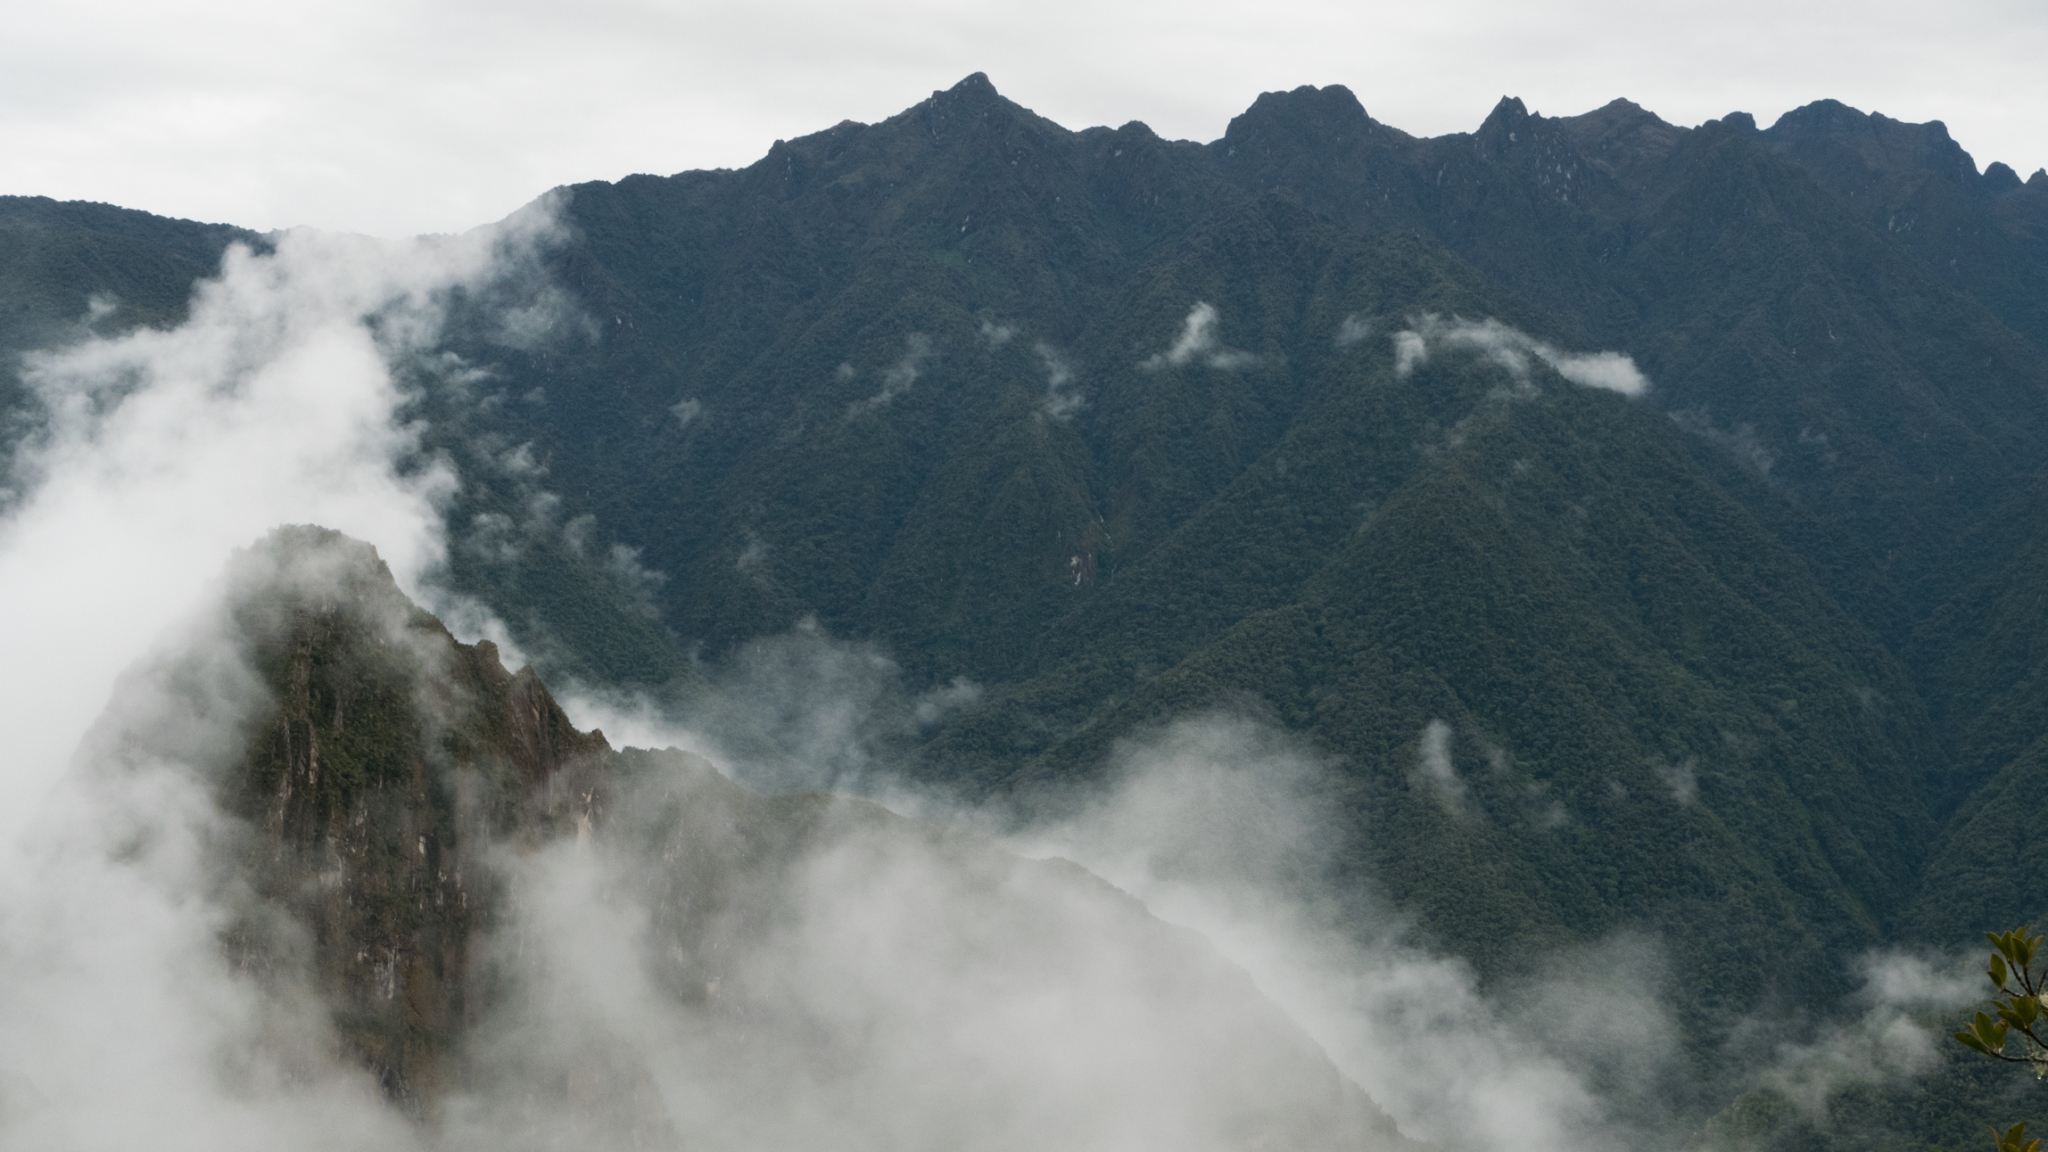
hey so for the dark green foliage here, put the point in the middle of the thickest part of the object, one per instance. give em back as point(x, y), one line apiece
point(1987, 234)
point(57, 259)
point(1663, 635)
point(1748, 800)
point(1754, 660)
point(1943, 1112)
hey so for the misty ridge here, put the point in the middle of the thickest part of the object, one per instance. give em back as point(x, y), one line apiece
point(969, 634)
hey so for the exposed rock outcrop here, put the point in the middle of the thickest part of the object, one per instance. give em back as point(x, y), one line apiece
point(390, 762)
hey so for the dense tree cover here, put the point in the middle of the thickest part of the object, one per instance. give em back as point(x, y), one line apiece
point(1119, 428)
point(71, 268)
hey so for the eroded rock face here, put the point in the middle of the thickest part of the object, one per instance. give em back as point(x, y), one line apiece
point(390, 762)
point(528, 939)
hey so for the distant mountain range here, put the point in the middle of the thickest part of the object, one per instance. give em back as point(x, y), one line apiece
point(1650, 522)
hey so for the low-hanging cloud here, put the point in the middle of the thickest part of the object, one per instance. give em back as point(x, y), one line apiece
point(1199, 344)
point(283, 398)
point(876, 986)
point(1682, 778)
point(802, 709)
point(1741, 442)
point(882, 984)
point(157, 452)
point(1434, 768)
point(898, 377)
point(1513, 350)
point(1062, 399)
point(1225, 826)
point(1894, 1037)
point(1353, 330)
point(514, 516)
point(1409, 351)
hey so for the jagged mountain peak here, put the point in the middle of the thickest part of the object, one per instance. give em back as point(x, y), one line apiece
point(975, 86)
point(1733, 122)
point(1831, 133)
point(1999, 177)
point(975, 107)
point(1507, 122)
point(1622, 134)
point(1326, 112)
point(971, 114)
point(1307, 138)
point(1508, 110)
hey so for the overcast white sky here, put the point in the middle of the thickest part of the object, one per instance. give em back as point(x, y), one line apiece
point(402, 116)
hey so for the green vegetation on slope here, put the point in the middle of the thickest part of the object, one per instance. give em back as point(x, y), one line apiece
point(1752, 660)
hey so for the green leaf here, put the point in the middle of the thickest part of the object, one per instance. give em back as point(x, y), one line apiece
point(1971, 1041)
point(1991, 1033)
point(1998, 970)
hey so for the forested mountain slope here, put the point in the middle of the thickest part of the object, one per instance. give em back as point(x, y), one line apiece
point(917, 380)
point(1646, 520)
point(69, 268)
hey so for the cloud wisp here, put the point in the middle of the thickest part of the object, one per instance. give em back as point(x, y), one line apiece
point(1199, 344)
point(1434, 769)
point(1513, 350)
point(1062, 399)
point(1353, 330)
point(1892, 1040)
point(898, 377)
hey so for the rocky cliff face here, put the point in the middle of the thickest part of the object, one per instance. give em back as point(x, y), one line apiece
point(390, 763)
